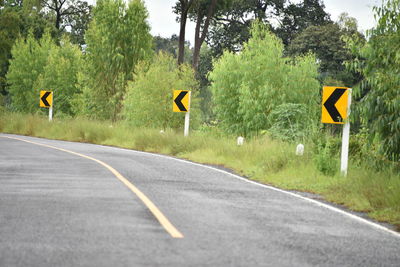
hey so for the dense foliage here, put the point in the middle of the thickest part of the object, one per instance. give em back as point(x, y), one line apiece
point(42, 65)
point(60, 75)
point(327, 43)
point(230, 27)
point(249, 85)
point(18, 19)
point(289, 122)
point(256, 86)
point(379, 62)
point(117, 39)
point(148, 101)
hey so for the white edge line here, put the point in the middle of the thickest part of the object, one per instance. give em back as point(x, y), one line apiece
point(320, 204)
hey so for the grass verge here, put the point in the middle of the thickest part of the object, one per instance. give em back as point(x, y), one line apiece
point(260, 159)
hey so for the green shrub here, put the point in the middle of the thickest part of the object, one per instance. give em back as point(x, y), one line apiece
point(327, 156)
point(117, 38)
point(248, 86)
point(289, 122)
point(148, 102)
point(29, 58)
point(378, 62)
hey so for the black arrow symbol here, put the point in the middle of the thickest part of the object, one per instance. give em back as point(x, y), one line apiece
point(178, 100)
point(44, 99)
point(330, 104)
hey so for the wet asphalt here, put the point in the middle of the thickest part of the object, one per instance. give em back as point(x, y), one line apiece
point(58, 209)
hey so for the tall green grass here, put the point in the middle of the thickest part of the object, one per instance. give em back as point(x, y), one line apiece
point(262, 159)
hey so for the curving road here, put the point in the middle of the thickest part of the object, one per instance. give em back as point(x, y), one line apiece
point(63, 204)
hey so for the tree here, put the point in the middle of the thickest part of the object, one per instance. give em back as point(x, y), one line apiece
point(17, 18)
point(229, 28)
point(247, 86)
point(347, 23)
point(204, 11)
point(117, 39)
point(10, 23)
point(65, 10)
point(379, 62)
point(327, 43)
point(78, 22)
point(60, 75)
point(170, 45)
point(29, 57)
point(148, 99)
point(42, 65)
point(297, 17)
point(182, 7)
point(205, 66)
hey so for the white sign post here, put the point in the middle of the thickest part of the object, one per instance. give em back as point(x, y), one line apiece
point(51, 107)
point(51, 113)
point(345, 140)
point(46, 101)
point(187, 117)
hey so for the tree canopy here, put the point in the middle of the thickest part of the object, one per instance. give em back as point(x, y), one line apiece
point(327, 43)
point(148, 99)
point(230, 26)
point(378, 61)
point(42, 65)
point(117, 39)
point(294, 18)
point(259, 75)
point(17, 19)
point(249, 85)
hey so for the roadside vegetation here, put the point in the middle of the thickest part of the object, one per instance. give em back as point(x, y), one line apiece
point(113, 84)
point(369, 189)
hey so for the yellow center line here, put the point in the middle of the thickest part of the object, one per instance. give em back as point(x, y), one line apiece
point(149, 204)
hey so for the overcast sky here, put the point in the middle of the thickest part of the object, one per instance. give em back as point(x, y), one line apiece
point(163, 22)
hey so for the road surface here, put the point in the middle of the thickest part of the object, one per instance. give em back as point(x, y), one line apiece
point(75, 204)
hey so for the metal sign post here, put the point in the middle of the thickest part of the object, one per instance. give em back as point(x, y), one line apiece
point(46, 101)
point(187, 118)
point(336, 103)
point(51, 113)
point(344, 159)
point(181, 103)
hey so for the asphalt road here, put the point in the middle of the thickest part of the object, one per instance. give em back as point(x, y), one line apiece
point(61, 209)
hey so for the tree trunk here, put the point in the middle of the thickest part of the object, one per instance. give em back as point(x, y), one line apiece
point(181, 50)
point(185, 5)
point(58, 20)
point(197, 45)
point(198, 40)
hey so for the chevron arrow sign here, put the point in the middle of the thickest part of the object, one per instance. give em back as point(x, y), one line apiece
point(181, 101)
point(46, 99)
point(334, 104)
